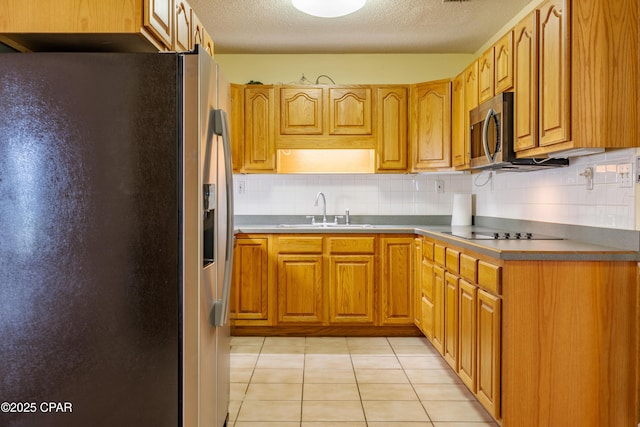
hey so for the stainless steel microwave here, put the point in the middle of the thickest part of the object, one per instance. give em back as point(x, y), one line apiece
point(491, 141)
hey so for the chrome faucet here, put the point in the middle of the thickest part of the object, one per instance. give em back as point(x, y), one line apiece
point(324, 206)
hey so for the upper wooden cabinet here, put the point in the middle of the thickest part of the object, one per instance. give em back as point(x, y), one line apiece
point(350, 111)
point(158, 17)
point(259, 136)
point(119, 25)
point(554, 72)
point(496, 68)
point(320, 117)
point(392, 128)
point(430, 126)
point(458, 113)
point(526, 83)
point(301, 110)
point(325, 116)
point(503, 63)
point(586, 76)
point(466, 100)
point(200, 35)
point(183, 40)
point(485, 80)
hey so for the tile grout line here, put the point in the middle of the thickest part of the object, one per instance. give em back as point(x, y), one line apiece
point(411, 383)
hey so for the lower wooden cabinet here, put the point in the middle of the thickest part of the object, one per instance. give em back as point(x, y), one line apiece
point(299, 279)
point(488, 352)
point(461, 316)
point(467, 306)
point(396, 280)
point(324, 280)
point(438, 308)
point(351, 281)
point(300, 288)
point(451, 320)
point(250, 299)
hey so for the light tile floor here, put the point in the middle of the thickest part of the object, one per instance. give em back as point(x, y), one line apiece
point(346, 382)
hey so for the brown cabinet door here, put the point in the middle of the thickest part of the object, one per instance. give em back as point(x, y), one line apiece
point(470, 102)
point(299, 287)
point(351, 289)
point(417, 282)
point(438, 308)
point(249, 292)
point(488, 352)
point(554, 73)
point(391, 132)
point(395, 280)
point(183, 33)
point(430, 141)
point(427, 298)
point(486, 87)
point(236, 124)
point(158, 18)
point(451, 320)
point(526, 83)
point(301, 111)
point(503, 63)
point(467, 334)
point(350, 111)
point(458, 130)
point(259, 137)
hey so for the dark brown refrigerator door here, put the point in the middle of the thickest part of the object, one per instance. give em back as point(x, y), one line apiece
point(89, 240)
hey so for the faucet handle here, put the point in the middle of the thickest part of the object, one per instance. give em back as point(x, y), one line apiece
point(313, 218)
point(335, 218)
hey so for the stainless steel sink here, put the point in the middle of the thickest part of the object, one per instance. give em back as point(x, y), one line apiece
point(324, 225)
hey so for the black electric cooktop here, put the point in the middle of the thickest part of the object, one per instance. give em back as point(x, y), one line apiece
point(500, 235)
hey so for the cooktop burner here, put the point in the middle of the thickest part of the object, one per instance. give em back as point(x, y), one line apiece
point(500, 235)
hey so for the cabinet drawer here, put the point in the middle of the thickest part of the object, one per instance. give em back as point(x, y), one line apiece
point(468, 267)
point(438, 254)
point(489, 277)
point(300, 245)
point(352, 245)
point(453, 260)
point(427, 250)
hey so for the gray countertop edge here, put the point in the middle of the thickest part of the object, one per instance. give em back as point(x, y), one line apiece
point(535, 250)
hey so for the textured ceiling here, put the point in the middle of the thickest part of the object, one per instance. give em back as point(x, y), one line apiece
point(381, 26)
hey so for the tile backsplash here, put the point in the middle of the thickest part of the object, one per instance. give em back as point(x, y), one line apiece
point(556, 195)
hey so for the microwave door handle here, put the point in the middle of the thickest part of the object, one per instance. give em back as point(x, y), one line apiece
point(485, 136)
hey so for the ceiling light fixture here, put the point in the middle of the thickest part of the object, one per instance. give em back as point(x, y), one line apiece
point(328, 8)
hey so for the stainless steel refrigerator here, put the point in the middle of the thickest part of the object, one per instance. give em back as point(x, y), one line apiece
point(116, 240)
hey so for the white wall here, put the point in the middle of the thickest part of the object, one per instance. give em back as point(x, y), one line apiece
point(555, 195)
point(561, 195)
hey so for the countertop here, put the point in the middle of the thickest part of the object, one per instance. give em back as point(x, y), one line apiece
point(559, 250)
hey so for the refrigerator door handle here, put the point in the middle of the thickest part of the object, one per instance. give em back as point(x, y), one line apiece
point(221, 308)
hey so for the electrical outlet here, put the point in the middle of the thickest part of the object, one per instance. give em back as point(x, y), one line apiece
point(439, 186)
point(625, 175)
point(241, 187)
